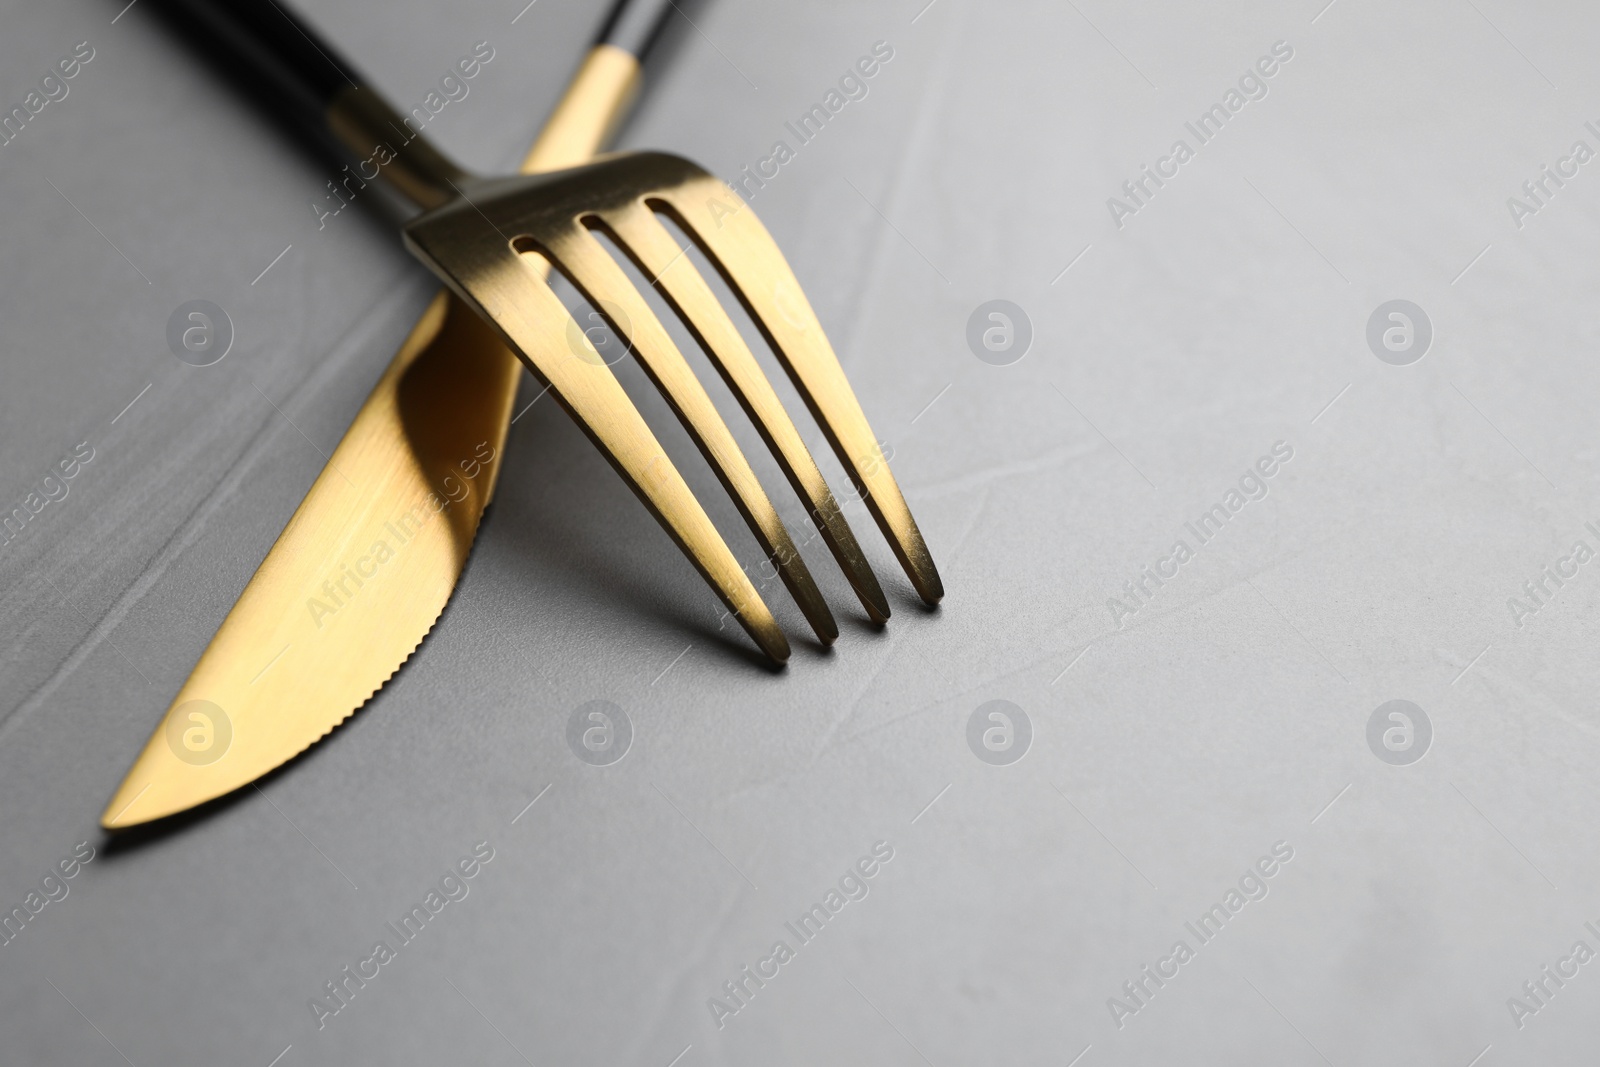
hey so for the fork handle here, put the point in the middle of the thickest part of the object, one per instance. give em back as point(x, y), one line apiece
point(300, 74)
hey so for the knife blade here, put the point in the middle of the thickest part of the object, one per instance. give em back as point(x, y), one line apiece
point(369, 560)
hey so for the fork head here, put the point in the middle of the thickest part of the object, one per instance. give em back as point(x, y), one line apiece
point(494, 244)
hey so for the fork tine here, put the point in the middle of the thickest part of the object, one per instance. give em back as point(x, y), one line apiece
point(579, 255)
point(511, 293)
point(731, 236)
point(636, 230)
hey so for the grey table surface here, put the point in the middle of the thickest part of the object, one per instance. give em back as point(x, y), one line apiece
point(1176, 340)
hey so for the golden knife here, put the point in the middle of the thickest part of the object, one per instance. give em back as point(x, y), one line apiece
point(368, 561)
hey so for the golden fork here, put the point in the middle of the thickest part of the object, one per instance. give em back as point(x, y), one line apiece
point(492, 241)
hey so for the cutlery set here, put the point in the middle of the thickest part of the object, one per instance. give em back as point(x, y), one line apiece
point(382, 536)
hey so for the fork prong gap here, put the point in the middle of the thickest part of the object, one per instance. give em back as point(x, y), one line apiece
point(580, 258)
point(753, 267)
point(637, 231)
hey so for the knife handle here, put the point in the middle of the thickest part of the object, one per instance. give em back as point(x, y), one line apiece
point(299, 75)
point(634, 25)
point(601, 92)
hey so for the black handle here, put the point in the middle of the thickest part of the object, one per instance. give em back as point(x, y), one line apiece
point(634, 25)
point(288, 64)
point(305, 79)
point(296, 68)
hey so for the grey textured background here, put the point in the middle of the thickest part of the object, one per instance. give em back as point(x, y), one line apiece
point(1168, 753)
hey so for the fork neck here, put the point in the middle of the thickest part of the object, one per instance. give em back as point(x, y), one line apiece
point(388, 145)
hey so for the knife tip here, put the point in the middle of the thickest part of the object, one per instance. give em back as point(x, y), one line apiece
point(117, 814)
